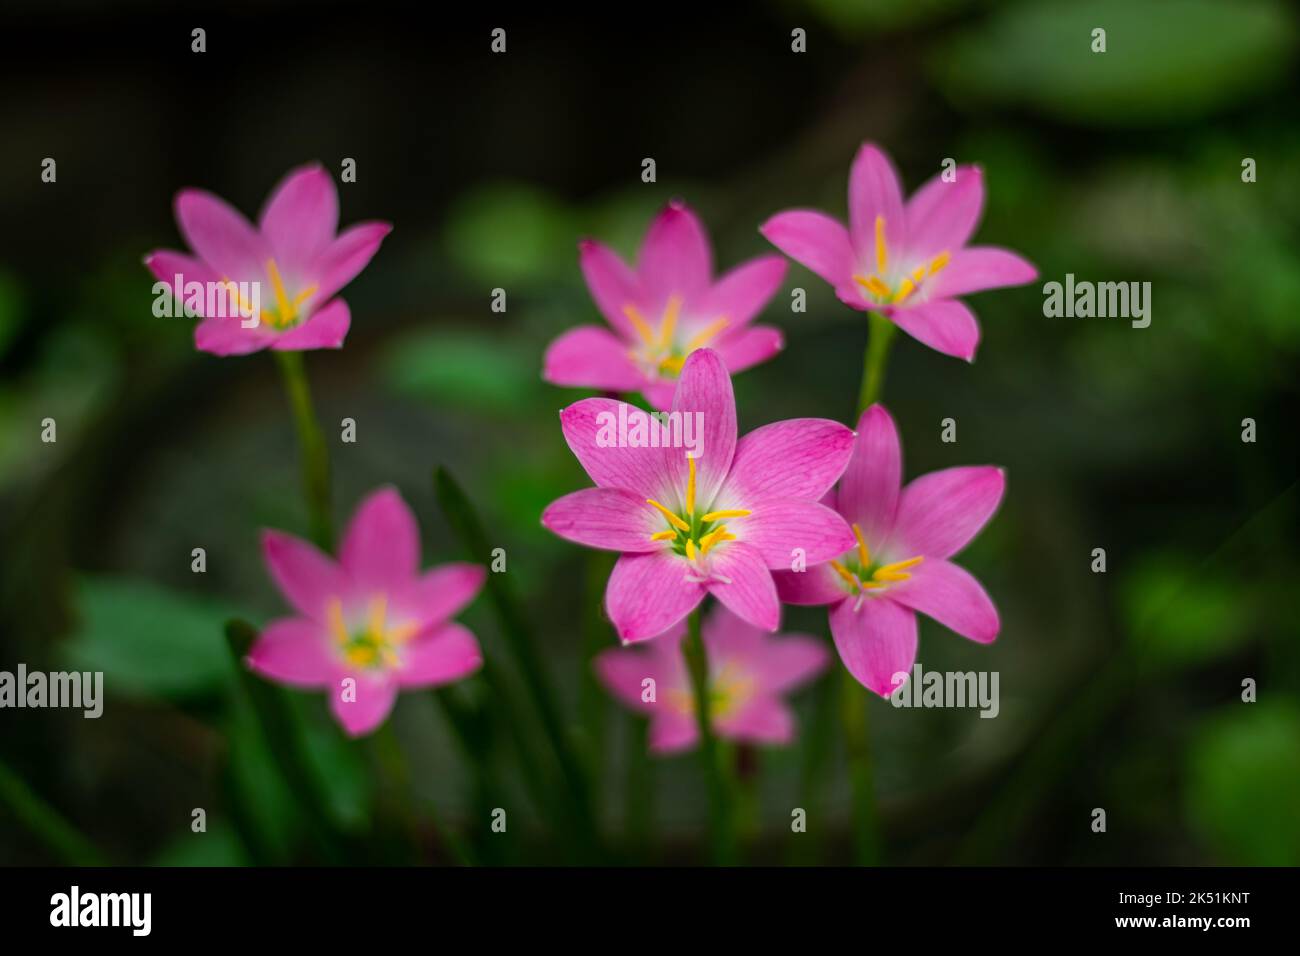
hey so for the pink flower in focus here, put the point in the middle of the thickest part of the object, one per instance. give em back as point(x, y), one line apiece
point(909, 262)
point(714, 525)
point(663, 310)
point(370, 616)
point(293, 254)
point(900, 562)
point(749, 671)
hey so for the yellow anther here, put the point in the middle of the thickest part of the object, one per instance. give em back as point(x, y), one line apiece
point(670, 321)
point(895, 571)
point(882, 255)
point(378, 611)
point(673, 520)
point(673, 364)
point(334, 611)
point(732, 513)
point(400, 635)
point(284, 309)
point(668, 535)
point(642, 329)
point(849, 578)
point(713, 537)
point(304, 295)
point(863, 554)
point(690, 486)
point(690, 550)
point(918, 274)
point(939, 261)
point(905, 288)
point(705, 334)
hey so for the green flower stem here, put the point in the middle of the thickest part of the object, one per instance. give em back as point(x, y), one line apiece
point(880, 338)
point(722, 826)
point(46, 822)
point(315, 456)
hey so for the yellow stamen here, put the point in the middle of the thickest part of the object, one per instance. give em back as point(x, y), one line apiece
point(690, 486)
point(673, 364)
point(284, 310)
point(304, 295)
point(668, 535)
point(673, 520)
point(642, 329)
point(846, 574)
point(402, 634)
point(905, 289)
point(378, 609)
point(863, 554)
point(713, 537)
point(895, 572)
point(918, 275)
point(732, 513)
point(939, 261)
point(882, 256)
point(876, 287)
point(690, 550)
point(670, 321)
point(705, 334)
point(334, 611)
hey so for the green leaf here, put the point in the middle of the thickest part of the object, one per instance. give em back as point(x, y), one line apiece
point(508, 233)
point(463, 369)
point(1180, 614)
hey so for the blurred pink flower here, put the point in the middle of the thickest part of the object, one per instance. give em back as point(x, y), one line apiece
point(907, 262)
point(900, 563)
point(663, 310)
point(293, 254)
point(713, 525)
point(749, 671)
point(370, 616)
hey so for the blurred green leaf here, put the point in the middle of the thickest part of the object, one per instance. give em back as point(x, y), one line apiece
point(1164, 59)
point(508, 233)
point(1243, 769)
point(219, 846)
point(464, 369)
point(1179, 614)
point(855, 16)
point(148, 640)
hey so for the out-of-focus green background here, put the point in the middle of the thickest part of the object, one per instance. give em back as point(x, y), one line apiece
point(1119, 690)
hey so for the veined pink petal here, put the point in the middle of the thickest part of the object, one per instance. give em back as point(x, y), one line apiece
point(374, 701)
point(166, 265)
point(779, 526)
point(228, 337)
point(945, 325)
point(381, 548)
point(649, 593)
point(705, 387)
point(939, 513)
point(675, 257)
point(441, 592)
point(749, 347)
point(748, 590)
point(339, 262)
point(591, 357)
point(876, 640)
point(764, 720)
point(874, 191)
point(796, 458)
point(221, 236)
point(726, 635)
point(591, 430)
point(951, 595)
point(743, 292)
point(979, 268)
point(614, 519)
point(815, 240)
point(817, 584)
point(295, 651)
point(942, 216)
point(301, 217)
point(324, 329)
point(446, 654)
point(612, 284)
point(792, 660)
point(307, 578)
point(868, 493)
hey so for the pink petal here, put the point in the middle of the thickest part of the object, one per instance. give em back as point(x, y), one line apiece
point(779, 526)
point(166, 265)
point(818, 584)
point(612, 285)
point(952, 596)
point(295, 651)
point(868, 494)
point(588, 423)
point(591, 357)
point(748, 347)
point(675, 258)
point(763, 720)
point(815, 240)
point(610, 518)
point(939, 513)
point(307, 578)
point(875, 641)
point(672, 732)
point(705, 387)
point(942, 216)
point(301, 217)
point(945, 325)
point(743, 292)
point(325, 329)
point(441, 592)
point(648, 593)
point(792, 660)
point(447, 654)
point(659, 396)
point(381, 548)
point(979, 268)
point(622, 670)
point(874, 191)
point(374, 701)
point(339, 262)
point(229, 337)
point(725, 634)
point(748, 590)
point(221, 236)
point(796, 458)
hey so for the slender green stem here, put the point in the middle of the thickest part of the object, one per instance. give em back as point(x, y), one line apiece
point(640, 790)
point(311, 441)
point(880, 337)
point(46, 822)
point(722, 827)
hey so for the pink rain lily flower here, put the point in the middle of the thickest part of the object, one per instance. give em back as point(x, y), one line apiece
point(899, 564)
point(371, 616)
point(909, 262)
point(292, 254)
point(713, 524)
point(663, 310)
point(749, 671)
